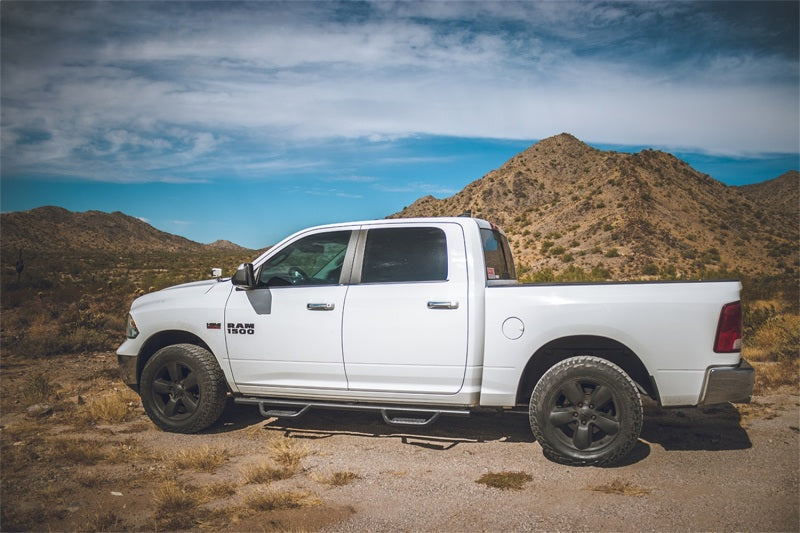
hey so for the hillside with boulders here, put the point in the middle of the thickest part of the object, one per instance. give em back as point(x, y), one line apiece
point(649, 214)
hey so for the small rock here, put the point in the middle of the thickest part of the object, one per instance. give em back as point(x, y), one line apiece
point(115, 493)
point(39, 410)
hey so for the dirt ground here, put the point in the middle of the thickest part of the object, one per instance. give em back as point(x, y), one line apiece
point(719, 469)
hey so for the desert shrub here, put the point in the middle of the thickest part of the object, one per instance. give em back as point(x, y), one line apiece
point(571, 274)
point(36, 389)
point(650, 269)
point(778, 338)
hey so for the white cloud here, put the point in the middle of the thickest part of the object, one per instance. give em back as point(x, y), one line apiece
point(179, 88)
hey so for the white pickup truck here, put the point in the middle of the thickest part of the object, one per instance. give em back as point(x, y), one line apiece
point(416, 318)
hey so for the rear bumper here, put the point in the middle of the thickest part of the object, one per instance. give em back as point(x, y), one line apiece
point(728, 384)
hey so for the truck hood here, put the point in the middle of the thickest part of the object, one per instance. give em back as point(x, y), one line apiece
point(176, 292)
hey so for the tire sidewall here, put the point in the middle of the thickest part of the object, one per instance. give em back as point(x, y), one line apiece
point(627, 404)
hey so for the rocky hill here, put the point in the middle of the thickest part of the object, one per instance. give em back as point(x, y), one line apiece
point(55, 230)
point(639, 215)
point(778, 197)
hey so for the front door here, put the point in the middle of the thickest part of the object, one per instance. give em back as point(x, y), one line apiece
point(287, 332)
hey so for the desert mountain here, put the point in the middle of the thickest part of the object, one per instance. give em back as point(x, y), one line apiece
point(56, 230)
point(562, 202)
point(778, 197)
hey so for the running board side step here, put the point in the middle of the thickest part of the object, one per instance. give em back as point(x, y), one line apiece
point(392, 414)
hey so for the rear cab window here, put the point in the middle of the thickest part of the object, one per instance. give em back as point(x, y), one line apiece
point(497, 256)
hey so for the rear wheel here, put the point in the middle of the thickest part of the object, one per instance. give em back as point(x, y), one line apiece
point(183, 388)
point(586, 411)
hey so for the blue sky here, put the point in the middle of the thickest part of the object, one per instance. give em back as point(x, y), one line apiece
point(247, 121)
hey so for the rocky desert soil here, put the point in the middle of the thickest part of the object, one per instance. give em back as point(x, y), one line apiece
point(716, 469)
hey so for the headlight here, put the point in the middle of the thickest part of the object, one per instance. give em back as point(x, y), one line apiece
point(131, 331)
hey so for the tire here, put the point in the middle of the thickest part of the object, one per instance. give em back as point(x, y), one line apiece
point(183, 389)
point(586, 411)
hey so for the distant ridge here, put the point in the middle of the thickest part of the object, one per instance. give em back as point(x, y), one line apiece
point(647, 214)
point(56, 230)
point(226, 245)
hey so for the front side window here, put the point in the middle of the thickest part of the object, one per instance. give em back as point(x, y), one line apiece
point(313, 260)
point(404, 254)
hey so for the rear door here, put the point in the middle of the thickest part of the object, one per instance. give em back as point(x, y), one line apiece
point(406, 315)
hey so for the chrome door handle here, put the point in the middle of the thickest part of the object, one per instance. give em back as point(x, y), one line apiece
point(321, 307)
point(443, 305)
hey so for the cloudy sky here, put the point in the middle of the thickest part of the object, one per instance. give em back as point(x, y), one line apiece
point(247, 121)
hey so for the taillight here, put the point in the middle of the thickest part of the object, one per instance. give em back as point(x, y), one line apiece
point(729, 329)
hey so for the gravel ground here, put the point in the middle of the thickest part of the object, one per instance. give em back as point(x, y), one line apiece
point(719, 469)
point(692, 470)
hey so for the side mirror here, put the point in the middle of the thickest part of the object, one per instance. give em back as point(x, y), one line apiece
point(244, 276)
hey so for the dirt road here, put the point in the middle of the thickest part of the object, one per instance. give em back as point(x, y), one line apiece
point(726, 468)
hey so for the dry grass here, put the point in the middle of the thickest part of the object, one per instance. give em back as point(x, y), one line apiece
point(619, 486)
point(773, 347)
point(272, 500)
point(777, 339)
point(75, 451)
point(505, 480)
point(777, 376)
point(176, 506)
point(288, 452)
point(23, 429)
point(203, 458)
point(90, 480)
point(756, 411)
point(112, 408)
point(107, 521)
point(338, 479)
point(216, 491)
point(131, 450)
point(267, 473)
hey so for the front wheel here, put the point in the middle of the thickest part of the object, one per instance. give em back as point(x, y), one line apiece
point(586, 411)
point(183, 388)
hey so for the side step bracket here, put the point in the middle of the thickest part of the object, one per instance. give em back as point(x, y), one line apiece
point(393, 415)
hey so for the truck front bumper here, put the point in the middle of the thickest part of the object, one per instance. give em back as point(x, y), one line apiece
point(127, 368)
point(728, 384)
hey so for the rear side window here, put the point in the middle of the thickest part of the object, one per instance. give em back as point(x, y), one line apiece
point(499, 264)
point(404, 254)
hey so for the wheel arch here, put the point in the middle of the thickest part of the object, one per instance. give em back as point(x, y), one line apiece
point(563, 348)
point(162, 339)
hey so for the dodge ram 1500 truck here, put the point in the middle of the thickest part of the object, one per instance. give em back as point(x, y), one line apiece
point(415, 318)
